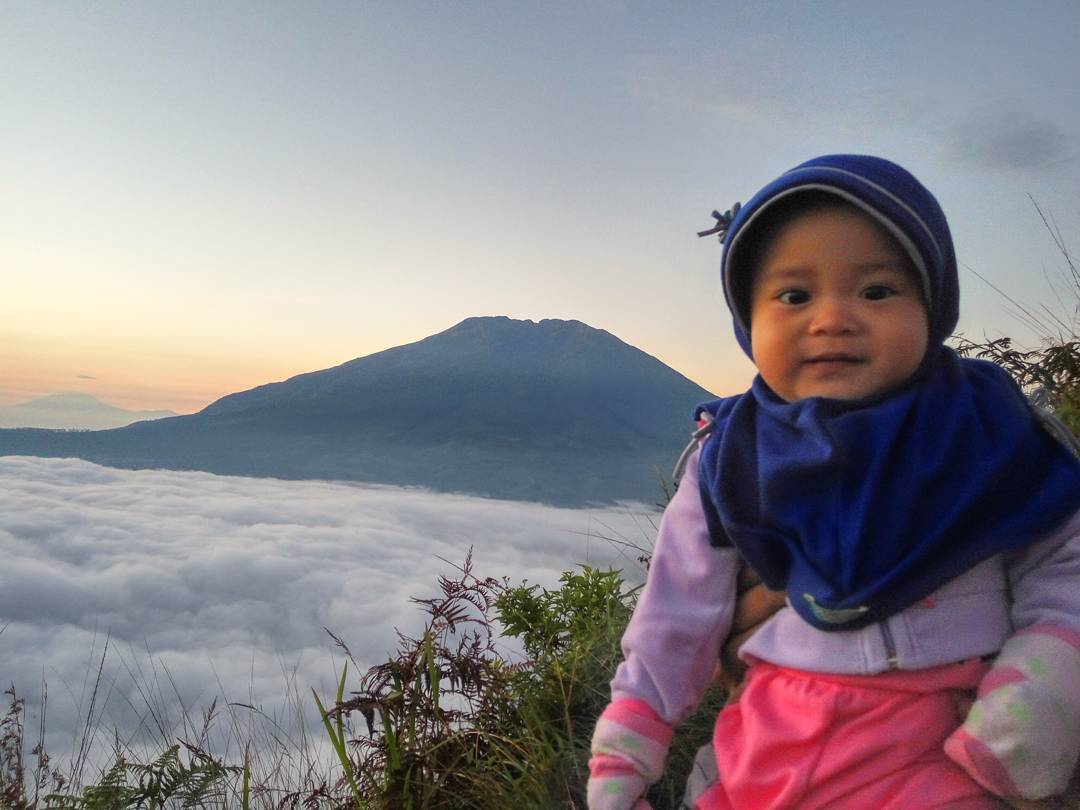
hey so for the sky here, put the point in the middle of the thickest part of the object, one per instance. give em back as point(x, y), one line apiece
point(198, 198)
point(208, 586)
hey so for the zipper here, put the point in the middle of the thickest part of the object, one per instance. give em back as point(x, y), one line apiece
point(890, 646)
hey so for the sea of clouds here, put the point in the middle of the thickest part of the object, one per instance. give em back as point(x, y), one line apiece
point(163, 590)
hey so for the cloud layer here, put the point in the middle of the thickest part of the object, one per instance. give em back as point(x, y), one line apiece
point(209, 586)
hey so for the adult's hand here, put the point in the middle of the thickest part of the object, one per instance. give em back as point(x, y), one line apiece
point(755, 604)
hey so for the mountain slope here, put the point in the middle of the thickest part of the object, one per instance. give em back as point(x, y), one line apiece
point(554, 411)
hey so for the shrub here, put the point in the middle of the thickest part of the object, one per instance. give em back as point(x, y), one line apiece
point(453, 722)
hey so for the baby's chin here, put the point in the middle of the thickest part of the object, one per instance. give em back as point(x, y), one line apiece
point(844, 390)
point(836, 387)
point(842, 380)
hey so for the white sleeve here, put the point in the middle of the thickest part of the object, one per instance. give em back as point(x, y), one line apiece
point(673, 639)
point(1021, 738)
point(1044, 580)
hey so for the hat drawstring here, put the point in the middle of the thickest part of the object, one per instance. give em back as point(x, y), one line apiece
point(723, 222)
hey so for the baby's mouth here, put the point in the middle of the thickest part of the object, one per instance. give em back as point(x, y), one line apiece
point(834, 358)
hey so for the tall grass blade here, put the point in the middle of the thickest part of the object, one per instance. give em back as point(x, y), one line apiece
point(245, 788)
point(336, 733)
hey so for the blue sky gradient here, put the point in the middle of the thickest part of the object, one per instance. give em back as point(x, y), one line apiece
point(199, 198)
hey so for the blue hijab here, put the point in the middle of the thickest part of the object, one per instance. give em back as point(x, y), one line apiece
point(861, 508)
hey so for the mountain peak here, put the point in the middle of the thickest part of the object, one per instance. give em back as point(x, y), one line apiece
point(505, 321)
point(555, 411)
point(72, 411)
point(67, 400)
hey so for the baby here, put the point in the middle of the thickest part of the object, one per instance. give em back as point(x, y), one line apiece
point(919, 514)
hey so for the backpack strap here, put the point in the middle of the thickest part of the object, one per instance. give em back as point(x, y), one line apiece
point(706, 425)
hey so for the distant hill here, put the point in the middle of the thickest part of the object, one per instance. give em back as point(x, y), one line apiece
point(554, 411)
point(72, 411)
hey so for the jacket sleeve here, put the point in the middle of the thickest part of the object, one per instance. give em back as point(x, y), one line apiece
point(670, 650)
point(1021, 738)
point(672, 642)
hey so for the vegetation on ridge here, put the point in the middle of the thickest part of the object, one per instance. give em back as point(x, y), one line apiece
point(454, 720)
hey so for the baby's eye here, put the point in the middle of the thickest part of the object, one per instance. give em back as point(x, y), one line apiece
point(793, 297)
point(877, 292)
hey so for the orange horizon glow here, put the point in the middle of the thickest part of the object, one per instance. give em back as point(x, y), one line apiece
point(134, 377)
point(161, 377)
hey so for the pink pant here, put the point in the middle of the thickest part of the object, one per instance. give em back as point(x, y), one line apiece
point(806, 740)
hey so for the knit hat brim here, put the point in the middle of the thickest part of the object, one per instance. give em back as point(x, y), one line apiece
point(885, 191)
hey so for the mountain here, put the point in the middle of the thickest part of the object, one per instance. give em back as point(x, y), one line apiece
point(554, 411)
point(72, 411)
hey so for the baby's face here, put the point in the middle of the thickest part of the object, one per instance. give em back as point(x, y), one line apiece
point(835, 311)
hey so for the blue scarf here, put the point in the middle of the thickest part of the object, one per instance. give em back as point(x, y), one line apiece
point(861, 508)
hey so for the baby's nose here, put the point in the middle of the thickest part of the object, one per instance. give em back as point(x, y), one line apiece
point(833, 314)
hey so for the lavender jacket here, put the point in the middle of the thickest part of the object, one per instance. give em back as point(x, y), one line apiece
point(685, 611)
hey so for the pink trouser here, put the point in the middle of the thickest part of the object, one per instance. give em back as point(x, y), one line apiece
point(807, 740)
